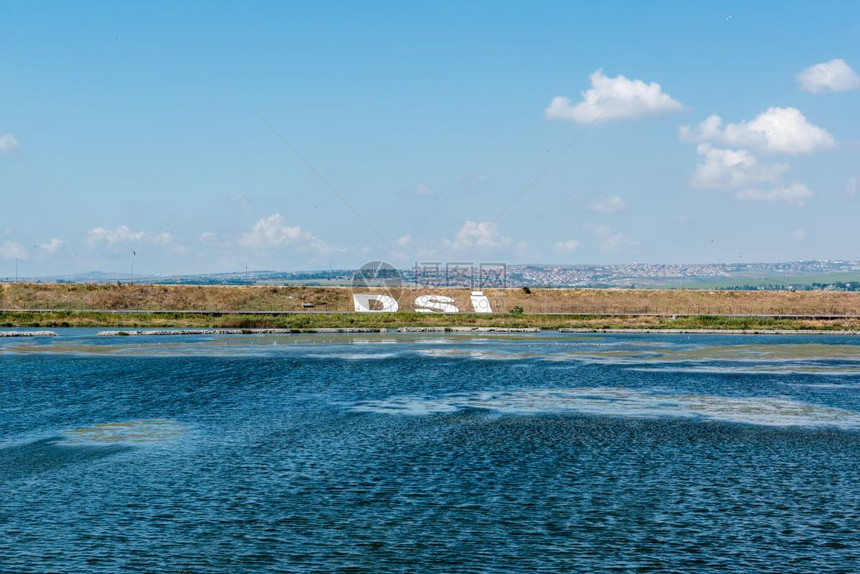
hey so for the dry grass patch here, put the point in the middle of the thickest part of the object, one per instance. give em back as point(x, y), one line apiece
point(339, 299)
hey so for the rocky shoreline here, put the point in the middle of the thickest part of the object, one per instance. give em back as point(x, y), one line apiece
point(715, 331)
point(181, 332)
point(28, 334)
point(469, 330)
point(497, 330)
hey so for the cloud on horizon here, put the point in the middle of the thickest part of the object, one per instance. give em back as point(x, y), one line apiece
point(475, 234)
point(53, 245)
point(568, 246)
point(610, 240)
point(112, 237)
point(270, 232)
point(12, 250)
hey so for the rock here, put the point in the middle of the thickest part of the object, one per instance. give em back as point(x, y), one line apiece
point(28, 334)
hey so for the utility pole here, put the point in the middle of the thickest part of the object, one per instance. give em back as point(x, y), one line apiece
point(246, 273)
point(16, 270)
point(133, 254)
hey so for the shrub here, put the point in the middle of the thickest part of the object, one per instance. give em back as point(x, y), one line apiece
point(516, 311)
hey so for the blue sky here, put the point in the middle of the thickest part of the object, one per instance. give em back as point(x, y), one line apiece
point(133, 127)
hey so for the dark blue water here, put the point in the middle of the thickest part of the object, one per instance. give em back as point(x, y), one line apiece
point(429, 453)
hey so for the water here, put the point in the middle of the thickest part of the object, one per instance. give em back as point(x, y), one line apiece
point(429, 453)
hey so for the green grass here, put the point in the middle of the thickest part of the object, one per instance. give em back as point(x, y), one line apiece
point(395, 320)
point(755, 280)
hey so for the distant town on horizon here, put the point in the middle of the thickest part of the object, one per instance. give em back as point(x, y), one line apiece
point(829, 275)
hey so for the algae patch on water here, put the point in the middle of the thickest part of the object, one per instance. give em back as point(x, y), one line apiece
point(624, 402)
point(134, 432)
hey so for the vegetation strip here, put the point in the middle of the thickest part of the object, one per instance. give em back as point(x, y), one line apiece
point(351, 322)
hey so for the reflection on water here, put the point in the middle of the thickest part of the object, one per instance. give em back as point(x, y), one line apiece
point(132, 433)
point(622, 402)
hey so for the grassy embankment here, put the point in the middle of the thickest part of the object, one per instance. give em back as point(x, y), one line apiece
point(395, 320)
point(84, 305)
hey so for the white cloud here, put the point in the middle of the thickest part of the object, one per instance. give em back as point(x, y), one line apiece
point(404, 240)
point(112, 237)
point(8, 142)
point(169, 240)
point(207, 236)
point(53, 245)
point(12, 250)
point(271, 232)
point(524, 251)
point(473, 234)
point(614, 99)
point(423, 190)
point(163, 239)
point(567, 246)
point(708, 130)
point(610, 204)
point(725, 168)
point(796, 193)
point(244, 203)
point(798, 234)
point(740, 170)
point(610, 240)
point(832, 76)
point(776, 130)
point(472, 179)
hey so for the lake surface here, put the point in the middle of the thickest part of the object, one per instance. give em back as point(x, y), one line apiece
point(429, 452)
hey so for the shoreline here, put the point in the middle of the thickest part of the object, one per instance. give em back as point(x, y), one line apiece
point(841, 332)
point(432, 330)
